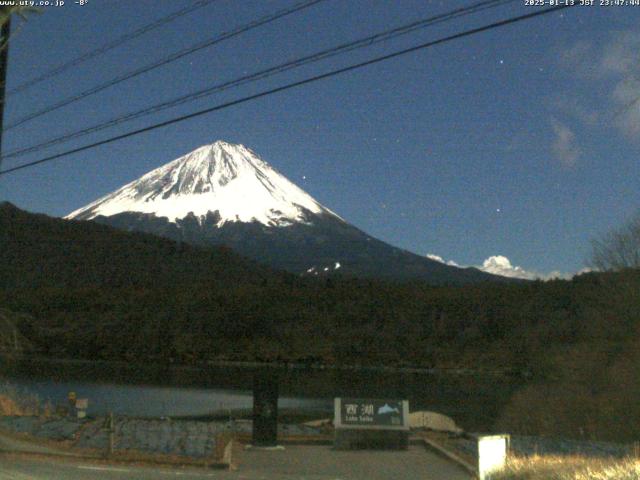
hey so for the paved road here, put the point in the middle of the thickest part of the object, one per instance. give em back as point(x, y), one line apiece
point(292, 463)
point(17, 468)
point(322, 462)
point(11, 444)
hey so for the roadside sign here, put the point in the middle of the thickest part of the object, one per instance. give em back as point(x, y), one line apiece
point(376, 413)
point(371, 423)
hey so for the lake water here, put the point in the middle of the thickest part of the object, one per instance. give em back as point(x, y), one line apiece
point(474, 402)
point(154, 401)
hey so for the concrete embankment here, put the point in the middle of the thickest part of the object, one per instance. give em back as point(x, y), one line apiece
point(188, 438)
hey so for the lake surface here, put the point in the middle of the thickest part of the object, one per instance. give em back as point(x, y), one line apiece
point(154, 401)
point(155, 391)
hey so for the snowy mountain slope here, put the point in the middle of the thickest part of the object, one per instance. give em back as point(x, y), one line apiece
point(223, 194)
point(224, 178)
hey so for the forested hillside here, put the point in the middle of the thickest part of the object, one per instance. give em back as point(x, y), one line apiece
point(89, 291)
point(96, 292)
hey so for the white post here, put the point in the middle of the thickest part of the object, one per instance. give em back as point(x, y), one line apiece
point(492, 454)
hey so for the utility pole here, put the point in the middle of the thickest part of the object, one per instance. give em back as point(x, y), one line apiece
point(4, 60)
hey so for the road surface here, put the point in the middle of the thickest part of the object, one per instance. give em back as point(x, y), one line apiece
point(292, 463)
point(20, 468)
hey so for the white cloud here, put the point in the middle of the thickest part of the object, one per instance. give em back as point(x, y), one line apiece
point(614, 68)
point(578, 58)
point(620, 61)
point(626, 95)
point(620, 55)
point(564, 147)
point(573, 108)
point(438, 258)
point(501, 265)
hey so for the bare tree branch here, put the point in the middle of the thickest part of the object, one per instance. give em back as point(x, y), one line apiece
point(618, 249)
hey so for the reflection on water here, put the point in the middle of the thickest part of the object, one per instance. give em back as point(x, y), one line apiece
point(474, 401)
point(153, 401)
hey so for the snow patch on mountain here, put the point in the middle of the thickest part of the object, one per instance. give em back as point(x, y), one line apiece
point(315, 270)
point(438, 258)
point(222, 177)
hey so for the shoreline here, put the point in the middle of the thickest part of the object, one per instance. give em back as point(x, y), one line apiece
point(286, 366)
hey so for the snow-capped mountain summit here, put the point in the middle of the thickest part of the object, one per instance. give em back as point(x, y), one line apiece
point(224, 194)
point(222, 177)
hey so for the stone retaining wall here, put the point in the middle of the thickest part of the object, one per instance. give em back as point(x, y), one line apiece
point(188, 438)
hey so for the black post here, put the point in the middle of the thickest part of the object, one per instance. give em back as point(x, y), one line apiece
point(4, 61)
point(265, 409)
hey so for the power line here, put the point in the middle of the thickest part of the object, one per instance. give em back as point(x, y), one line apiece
point(266, 73)
point(289, 86)
point(110, 46)
point(171, 58)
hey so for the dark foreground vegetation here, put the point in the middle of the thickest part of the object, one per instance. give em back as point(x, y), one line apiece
point(86, 291)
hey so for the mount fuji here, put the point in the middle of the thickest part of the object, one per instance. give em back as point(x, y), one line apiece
point(224, 194)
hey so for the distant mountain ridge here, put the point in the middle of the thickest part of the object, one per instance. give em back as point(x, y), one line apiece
point(224, 194)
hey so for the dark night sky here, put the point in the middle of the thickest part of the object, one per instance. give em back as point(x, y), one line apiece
point(512, 142)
